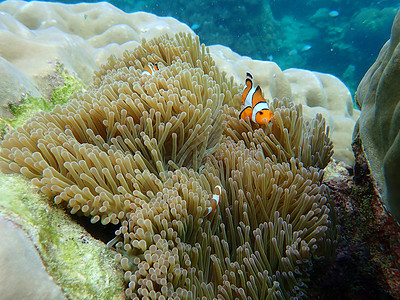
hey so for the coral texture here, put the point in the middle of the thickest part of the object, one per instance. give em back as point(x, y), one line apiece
point(145, 152)
point(378, 96)
point(84, 35)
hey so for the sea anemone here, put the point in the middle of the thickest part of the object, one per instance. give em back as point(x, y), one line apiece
point(286, 137)
point(145, 152)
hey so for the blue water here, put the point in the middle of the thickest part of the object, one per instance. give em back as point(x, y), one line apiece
point(341, 37)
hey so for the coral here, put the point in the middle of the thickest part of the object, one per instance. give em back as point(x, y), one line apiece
point(13, 84)
point(145, 152)
point(318, 93)
point(327, 95)
point(70, 84)
point(378, 126)
point(80, 36)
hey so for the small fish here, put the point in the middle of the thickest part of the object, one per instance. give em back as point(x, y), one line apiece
point(333, 13)
point(214, 200)
point(255, 106)
point(195, 26)
point(150, 69)
point(305, 48)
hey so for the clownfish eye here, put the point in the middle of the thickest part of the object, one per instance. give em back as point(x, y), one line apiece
point(261, 112)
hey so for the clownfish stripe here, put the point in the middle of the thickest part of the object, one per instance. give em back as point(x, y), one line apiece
point(216, 198)
point(145, 72)
point(249, 81)
point(149, 69)
point(260, 105)
point(248, 91)
point(260, 112)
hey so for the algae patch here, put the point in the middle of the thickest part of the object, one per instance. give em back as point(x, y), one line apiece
point(66, 85)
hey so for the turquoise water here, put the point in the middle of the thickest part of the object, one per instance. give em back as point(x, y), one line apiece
point(341, 37)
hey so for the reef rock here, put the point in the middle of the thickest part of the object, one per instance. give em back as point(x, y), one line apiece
point(22, 274)
point(368, 254)
point(378, 95)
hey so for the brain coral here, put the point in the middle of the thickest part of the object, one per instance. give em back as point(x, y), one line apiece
point(378, 96)
point(145, 152)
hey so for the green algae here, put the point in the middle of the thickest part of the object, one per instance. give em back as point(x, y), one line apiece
point(82, 266)
point(67, 85)
point(70, 85)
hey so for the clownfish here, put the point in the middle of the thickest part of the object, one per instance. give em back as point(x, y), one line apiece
point(256, 107)
point(214, 200)
point(150, 69)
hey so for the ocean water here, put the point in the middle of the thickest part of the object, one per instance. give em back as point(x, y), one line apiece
point(340, 37)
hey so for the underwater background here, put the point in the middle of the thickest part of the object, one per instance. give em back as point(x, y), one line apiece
point(339, 37)
point(123, 155)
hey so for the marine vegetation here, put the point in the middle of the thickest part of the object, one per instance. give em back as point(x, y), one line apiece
point(65, 85)
point(146, 151)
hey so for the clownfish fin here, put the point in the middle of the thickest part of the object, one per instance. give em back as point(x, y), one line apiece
point(257, 96)
point(249, 86)
point(214, 200)
point(246, 113)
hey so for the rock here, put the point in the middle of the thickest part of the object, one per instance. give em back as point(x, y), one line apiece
point(368, 255)
point(378, 95)
point(22, 273)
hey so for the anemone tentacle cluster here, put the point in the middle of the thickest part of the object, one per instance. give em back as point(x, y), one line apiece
point(146, 151)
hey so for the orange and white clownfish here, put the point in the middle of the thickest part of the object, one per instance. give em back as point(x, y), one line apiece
point(150, 69)
point(214, 200)
point(255, 106)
